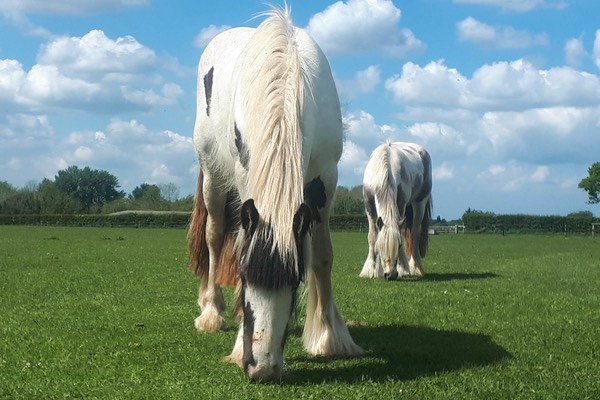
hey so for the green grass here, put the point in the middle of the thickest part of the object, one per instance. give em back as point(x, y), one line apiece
point(108, 314)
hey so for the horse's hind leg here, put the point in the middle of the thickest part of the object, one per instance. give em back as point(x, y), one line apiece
point(211, 299)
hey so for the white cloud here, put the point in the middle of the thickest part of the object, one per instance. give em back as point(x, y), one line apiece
point(517, 5)
point(352, 164)
point(94, 55)
point(208, 33)
point(513, 176)
point(364, 82)
point(502, 37)
point(362, 27)
point(92, 73)
point(125, 148)
point(501, 86)
point(433, 84)
point(574, 52)
point(596, 52)
point(361, 125)
point(443, 173)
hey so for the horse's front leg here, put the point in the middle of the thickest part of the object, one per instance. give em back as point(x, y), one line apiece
point(372, 267)
point(211, 299)
point(325, 332)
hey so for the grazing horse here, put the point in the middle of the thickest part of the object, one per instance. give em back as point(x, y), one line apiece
point(397, 195)
point(268, 137)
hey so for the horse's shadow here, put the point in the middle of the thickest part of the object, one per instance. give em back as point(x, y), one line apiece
point(399, 353)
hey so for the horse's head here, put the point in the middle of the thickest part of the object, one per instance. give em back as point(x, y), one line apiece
point(389, 244)
point(270, 281)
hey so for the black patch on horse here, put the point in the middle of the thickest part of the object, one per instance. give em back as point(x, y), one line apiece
point(241, 148)
point(264, 267)
point(427, 184)
point(262, 263)
point(208, 83)
point(248, 356)
point(315, 197)
point(369, 200)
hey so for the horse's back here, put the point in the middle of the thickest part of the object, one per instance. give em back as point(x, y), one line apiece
point(413, 170)
point(220, 99)
point(405, 166)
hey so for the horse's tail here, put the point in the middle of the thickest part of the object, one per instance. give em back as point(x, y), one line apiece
point(197, 247)
point(227, 267)
point(408, 224)
point(424, 242)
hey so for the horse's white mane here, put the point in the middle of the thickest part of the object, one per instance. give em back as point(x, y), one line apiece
point(383, 185)
point(273, 89)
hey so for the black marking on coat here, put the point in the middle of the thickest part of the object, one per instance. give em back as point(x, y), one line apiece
point(369, 200)
point(262, 263)
point(249, 319)
point(427, 184)
point(208, 83)
point(241, 148)
point(315, 197)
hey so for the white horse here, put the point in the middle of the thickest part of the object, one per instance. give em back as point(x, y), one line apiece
point(397, 195)
point(268, 136)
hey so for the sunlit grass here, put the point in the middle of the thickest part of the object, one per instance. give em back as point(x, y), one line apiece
point(108, 314)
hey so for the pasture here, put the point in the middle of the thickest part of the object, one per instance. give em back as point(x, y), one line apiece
point(108, 314)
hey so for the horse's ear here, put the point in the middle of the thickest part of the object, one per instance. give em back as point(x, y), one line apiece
point(302, 221)
point(249, 215)
point(379, 223)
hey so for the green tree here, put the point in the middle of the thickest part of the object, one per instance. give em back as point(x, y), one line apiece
point(591, 183)
point(6, 190)
point(54, 201)
point(348, 201)
point(91, 187)
point(146, 191)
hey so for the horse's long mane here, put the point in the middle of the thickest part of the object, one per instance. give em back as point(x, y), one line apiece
point(383, 186)
point(273, 85)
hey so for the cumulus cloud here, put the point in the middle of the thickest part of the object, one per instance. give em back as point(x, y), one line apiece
point(517, 5)
point(504, 85)
point(596, 52)
point(444, 172)
point(206, 34)
point(502, 37)
point(363, 82)
point(352, 164)
point(363, 27)
point(513, 116)
point(92, 73)
point(574, 52)
point(126, 148)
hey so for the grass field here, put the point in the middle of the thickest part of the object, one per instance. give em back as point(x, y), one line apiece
point(108, 314)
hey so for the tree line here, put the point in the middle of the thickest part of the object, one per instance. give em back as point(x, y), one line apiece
point(85, 190)
point(77, 190)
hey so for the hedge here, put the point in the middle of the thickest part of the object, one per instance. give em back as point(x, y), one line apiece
point(474, 222)
point(148, 220)
point(520, 223)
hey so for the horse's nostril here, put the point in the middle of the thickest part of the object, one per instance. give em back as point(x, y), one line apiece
point(392, 276)
point(265, 373)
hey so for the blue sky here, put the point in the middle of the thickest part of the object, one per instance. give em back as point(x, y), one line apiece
point(504, 94)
